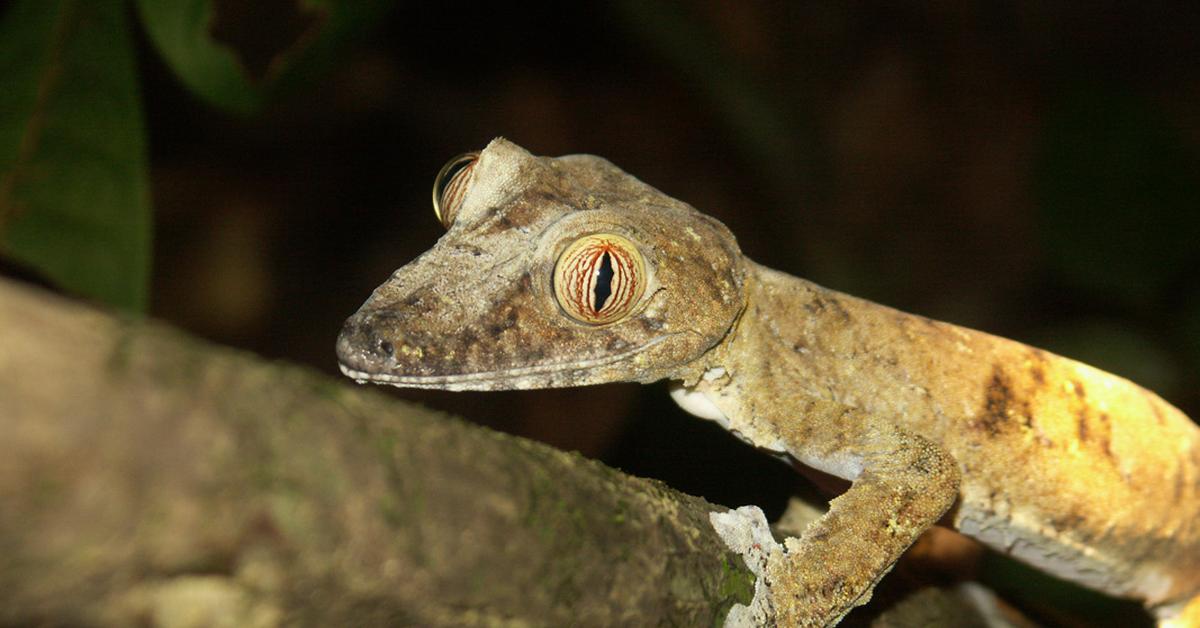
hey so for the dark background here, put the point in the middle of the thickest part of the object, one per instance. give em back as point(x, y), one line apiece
point(1028, 168)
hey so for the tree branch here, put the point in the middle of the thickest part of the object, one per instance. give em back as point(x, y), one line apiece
point(145, 476)
point(148, 478)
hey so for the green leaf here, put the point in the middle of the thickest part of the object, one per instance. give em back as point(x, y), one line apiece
point(207, 67)
point(234, 54)
point(342, 22)
point(73, 194)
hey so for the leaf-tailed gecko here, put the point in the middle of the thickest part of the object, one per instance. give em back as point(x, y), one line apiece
point(568, 272)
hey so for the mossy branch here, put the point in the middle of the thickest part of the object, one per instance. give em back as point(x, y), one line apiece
point(148, 478)
point(145, 476)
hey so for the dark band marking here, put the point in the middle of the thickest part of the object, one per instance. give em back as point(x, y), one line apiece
point(1002, 403)
point(996, 402)
point(1037, 366)
point(820, 304)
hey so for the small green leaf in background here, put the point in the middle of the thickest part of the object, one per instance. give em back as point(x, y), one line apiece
point(1118, 194)
point(74, 203)
point(187, 34)
point(234, 54)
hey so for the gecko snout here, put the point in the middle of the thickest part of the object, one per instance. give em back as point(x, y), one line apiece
point(360, 347)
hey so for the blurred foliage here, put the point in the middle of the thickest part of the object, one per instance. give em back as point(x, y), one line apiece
point(767, 133)
point(234, 55)
point(1118, 194)
point(209, 68)
point(74, 202)
point(73, 185)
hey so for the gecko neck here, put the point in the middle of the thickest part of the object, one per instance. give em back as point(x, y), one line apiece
point(751, 364)
point(780, 309)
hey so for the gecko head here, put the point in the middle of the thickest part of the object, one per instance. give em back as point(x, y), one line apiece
point(552, 272)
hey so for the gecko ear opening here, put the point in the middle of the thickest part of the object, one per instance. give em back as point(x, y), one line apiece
point(599, 279)
point(450, 186)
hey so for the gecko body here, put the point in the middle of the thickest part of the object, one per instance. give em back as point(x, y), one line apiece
point(567, 271)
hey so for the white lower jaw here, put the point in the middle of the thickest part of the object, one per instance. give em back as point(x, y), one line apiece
point(473, 381)
point(542, 376)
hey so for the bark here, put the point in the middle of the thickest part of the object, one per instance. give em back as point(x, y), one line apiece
point(148, 478)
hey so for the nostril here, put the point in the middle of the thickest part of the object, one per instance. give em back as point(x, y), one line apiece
point(385, 347)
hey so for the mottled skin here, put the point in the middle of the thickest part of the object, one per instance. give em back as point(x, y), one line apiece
point(1076, 471)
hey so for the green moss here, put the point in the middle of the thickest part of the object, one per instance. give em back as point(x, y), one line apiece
point(121, 357)
point(46, 492)
point(737, 583)
point(326, 388)
point(621, 514)
point(385, 442)
point(393, 512)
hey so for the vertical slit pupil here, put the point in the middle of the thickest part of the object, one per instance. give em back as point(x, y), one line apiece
point(604, 275)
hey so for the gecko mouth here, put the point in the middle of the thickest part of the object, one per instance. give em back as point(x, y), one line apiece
point(552, 375)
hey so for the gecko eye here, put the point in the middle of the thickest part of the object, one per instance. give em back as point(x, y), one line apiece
point(599, 278)
point(451, 185)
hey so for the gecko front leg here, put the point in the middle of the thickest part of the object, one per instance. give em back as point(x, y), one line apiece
point(902, 484)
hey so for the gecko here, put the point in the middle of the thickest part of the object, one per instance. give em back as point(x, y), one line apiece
point(567, 271)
